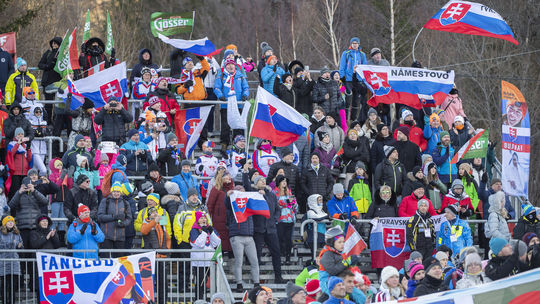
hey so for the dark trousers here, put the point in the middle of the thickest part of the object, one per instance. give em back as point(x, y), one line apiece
point(110, 244)
point(183, 267)
point(9, 285)
point(272, 241)
point(16, 182)
point(201, 275)
point(27, 267)
point(61, 122)
point(210, 121)
point(285, 231)
point(357, 101)
point(226, 130)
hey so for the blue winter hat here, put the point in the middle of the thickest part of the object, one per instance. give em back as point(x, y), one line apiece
point(497, 244)
point(121, 159)
point(355, 39)
point(20, 62)
point(132, 132)
point(186, 60)
point(77, 138)
point(332, 282)
point(227, 53)
point(527, 209)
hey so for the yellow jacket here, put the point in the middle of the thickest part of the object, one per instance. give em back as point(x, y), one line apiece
point(183, 222)
point(15, 84)
point(143, 214)
point(198, 93)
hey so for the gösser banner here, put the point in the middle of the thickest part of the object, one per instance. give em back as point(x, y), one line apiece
point(70, 280)
point(168, 24)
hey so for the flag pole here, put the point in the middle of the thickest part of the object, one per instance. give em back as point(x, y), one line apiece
point(192, 25)
point(414, 42)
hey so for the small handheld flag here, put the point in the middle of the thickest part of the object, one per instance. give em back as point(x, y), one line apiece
point(86, 30)
point(354, 244)
point(477, 144)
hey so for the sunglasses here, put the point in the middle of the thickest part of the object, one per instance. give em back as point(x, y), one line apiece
point(30, 93)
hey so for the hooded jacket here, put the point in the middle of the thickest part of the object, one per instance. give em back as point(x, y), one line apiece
point(27, 207)
point(380, 208)
point(462, 232)
point(185, 181)
point(38, 236)
point(10, 240)
point(91, 57)
point(18, 158)
point(393, 175)
point(110, 212)
point(57, 177)
point(315, 211)
point(525, 225)
point(337, 137)
point(268, 77)
point(471, 280)
point(136, 163)
point(137, 68)
point(349, 59)
point(17, 121)
point(353, 151)
point(78, 196)
point(317, 182)
point(87, 240)
point(330, 87)
point(442, 157)
point(47, 63)
point(359, 191)
point(16, 83)
point(496, 226)
point(346, 205)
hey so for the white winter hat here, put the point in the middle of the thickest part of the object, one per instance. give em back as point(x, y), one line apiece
point(388, 272)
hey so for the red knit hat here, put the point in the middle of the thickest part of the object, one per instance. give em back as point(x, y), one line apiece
point(82, 208)
point(312, 287)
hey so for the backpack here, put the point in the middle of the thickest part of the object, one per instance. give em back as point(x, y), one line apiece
point(106, 185)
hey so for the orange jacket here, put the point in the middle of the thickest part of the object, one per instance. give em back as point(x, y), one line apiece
point(198, 93)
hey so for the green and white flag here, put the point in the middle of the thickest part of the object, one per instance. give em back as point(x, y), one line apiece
point(168, 24)
point(67, 54)
point(110, 41)
point(218, 255)
point(476, 147)
point(86, 29)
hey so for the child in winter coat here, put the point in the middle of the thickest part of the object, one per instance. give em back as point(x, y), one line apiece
point(60, 177)
point(458, 195)
point(202, 236)
point(83, 167)
point(102, 163)
point(359, 188)
point(289, 208)
point(141, 88)
point(18, 160)
point(10, 270)
point(39, 145)
point(206, 166)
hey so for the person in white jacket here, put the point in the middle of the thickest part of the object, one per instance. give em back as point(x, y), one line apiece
point(202, 237)
point(39, 145)
point(316, 212)
point(496, 226)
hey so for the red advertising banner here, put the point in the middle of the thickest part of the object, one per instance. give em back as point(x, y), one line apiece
point(8, 44)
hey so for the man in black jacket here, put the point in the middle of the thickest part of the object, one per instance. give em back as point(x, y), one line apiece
point(16, 120)
point(46, 64)
point(504, 260)
point(409, 152)
point(432, 282)
point(43, 185)
point(316, 179)
point(265, 230)
point(291, 170)
point(81, 194)
point(390, 171)
point(113, 117)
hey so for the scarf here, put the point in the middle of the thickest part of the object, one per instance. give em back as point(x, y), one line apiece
point(187, 75)
point(288, 85)
point(175, 154)
point(326, 147)
point(21, 149)
point(267, 148)
point(229, 81)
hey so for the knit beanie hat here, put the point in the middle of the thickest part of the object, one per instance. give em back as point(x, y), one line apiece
point(292, 289)
point(132, 132)
point(425, 157)
point(20, 62)
point(457, 183)
point(472, 258)
point(265, 47)
point(18, 131)
point(388, 150)
point(313, 287)
point(32, 171)
point(338, 189)
point(217, 295)
point(406, 113)
point(81, 179)
point(227, 53)
point(453, 209)
point(185, 162)
point(82, 208)
point(497, 244)
point(147, 187)
point(414, 268)
point(527, 237)
point(436, 263)
point(360, 164)
point(440, 255)
point(154, 197)
point(170, 137)
point(388, 272)
point(253, 293)
point(333, 234)
point(103, 157)
point(355, 39)
point(443, 134)
point(415, 255)
point(172, 188)
point(380, 127)
point(116, 186)
point(121, 160)
point(192, 191)
point(6, 219)
point(423, 202)
point(270, 58)
point(404, 130)
point(332, 282)
point(527, 209)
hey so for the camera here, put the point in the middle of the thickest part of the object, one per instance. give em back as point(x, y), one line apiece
point(113, 104)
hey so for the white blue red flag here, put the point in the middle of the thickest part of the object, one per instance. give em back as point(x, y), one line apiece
point(388, 240)
point(246, 204)
point(276, 120)
point(77, 99)
point(471, 18)
point(69, 280)
point(188, 126)
point(103, 85)
point(202, 47)
point(410, 86)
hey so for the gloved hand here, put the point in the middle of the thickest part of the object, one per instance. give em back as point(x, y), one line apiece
point(204, 228)
point(113, 53)
point(120, 216)
point(275, 67)
point(354, 220)
point(244, 98)
point(60, 91)
point(484, 178)
point(343, 216)
point(71, 170)
point(63, 174)
point(209, 229)
point(94, 229)
point(346, 262)
point(6, 208)
point(201, 168)
point(83, 229)
point(188, 83)
point(199, 57)
point(120, 224)
point(355, 260)
point(223, 98)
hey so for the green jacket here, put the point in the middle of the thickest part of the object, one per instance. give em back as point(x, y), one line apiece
point(359, 191)
point(471, 191)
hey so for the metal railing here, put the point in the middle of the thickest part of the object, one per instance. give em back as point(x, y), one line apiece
point(175, 279)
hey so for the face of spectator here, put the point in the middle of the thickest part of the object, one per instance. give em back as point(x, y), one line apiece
point(336, 76)
point(384, 131)
point(299, 297)
point(44, 223)
point(419, 192)
point(377, 57)
point(23, 68)
point(433, 170)
point(330, 120)
point(116, 194)
point(339, 244)
point(268, 53)
point(349, 284)
point(394, 155)
point(318, 114)
point(10, 224)
point(262, 297)
point(241, 144)
point(420, 274)
point(84, 215)
point(496, 186)
point(54, 45)
point(372, 116)
point(534, 241)
point(288, 80)
point(445, 140)
point(189, 65)
point(355, 45)
point(458, 190)
point(326, 75)
point(444, 262)
point(261, 183)
point(202, 221)
point(154, 174)
point(135, 137)
point(230, 68)
point(85, 185)
point(173, 142)
point(423, 208)
point(393, 281)
point(150, 203)
point(385, 193)
point(146, 77)
point(360, 171)
point(435, 122)
point(506, 251)
point(34, 177)
point(289, 158)
point(81, 143)
point(513, 115)
point(401, 137)
point(16, 111)
point(449, 215)
point(273, 61)
point(218, 301)
point(226, 179)
point(186, 168)
point(339, 196)
point(31, 95)
point(38, 112)
point(339, 291)
point(58, 165)
point(314, 160)
point(419, 175)
point(146, 56)
point(353, 136)
point(326, 139)
point(435, 272)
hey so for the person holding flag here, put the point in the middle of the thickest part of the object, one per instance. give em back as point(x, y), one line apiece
point(92, 54)
point(420, 230)
point(47, 64)
point(191, 81)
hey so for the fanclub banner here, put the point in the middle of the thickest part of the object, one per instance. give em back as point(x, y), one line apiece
point(388, 240)
point(516, 141)
point(69, 280)
point(168, 24)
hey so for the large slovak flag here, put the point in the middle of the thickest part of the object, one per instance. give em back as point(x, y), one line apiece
point(471, 18)
point(246, 204)
point(188, 126)
point(276, 120)
point(103, 85)
point(410, 86)
point(201, 47)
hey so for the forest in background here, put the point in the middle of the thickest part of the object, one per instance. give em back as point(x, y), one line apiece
point(316, 32)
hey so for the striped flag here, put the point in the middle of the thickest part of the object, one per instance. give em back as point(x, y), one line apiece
point(68, 58)
point(354, 244)
point(475, 147)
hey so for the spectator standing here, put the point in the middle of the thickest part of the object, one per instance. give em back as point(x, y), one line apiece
point(390, 288)
point(457, 195)
point(16, 120)
point(82, 122)
point(81, 193)
point(359, 189)
point(317, 119)
point(383, 138)
point(291, 170)
point(185, 179)
point(341, 206)
point(113, 118)
point(47, 64)
point(145, 61)
point(59, 177)
point(409, 152)
point(206, 166)
point(330, 126)
point(347, 66)
point(84, 233)
point(355, 149)
point(17, 81)
point(496, 226)
point(10, 271)
point(452, 106)
point(303, 85)
point(170, 157)
point(442, 155)
point(316, 179)
point(326, 93)
point(92, 54)
point(264, 156)
point(270, 72)
point(6, 68)
point(460, 132)
point(455, 232)
point(44, 237)
point(137, 153)
point(18, 158)
point(288, 210)
point(39, 145)
point(192, 86)
point(376, 58)
point(390, 171)
point(421, 231)
point(114, 215)
point(165, 98)
point(528, 223)
point(218, 210)
point(415, 134)
point(410, 203)
point(432, 132)
point(435, 188)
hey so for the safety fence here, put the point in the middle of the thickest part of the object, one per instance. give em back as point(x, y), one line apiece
point(176, 279)
point(365, 231)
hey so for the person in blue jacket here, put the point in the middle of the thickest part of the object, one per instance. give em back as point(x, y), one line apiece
point(442, 155)
point(230, 81)
point(137, 154)
point(455, 233)
point(341, 206)
point(337, 290)
point(432, 131)
point(354, 88)
point(269, 73)
point(84, 233)
point(186, 180)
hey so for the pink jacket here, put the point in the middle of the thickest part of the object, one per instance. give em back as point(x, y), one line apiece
point(453, 109)
point(102, 170)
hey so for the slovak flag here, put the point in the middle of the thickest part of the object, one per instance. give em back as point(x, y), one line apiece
point(414, 87)
point(77, 99)
point(276, 120)
point(246, 204)
point(103, 85)
point(201, 47)
point(118, 286)
point(470, 18)
point(188, 126)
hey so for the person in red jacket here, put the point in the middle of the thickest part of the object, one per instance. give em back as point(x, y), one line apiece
point(18, 158)
point(409, 204)
point(416, 135)
point(167, 99)
point(457, 195)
